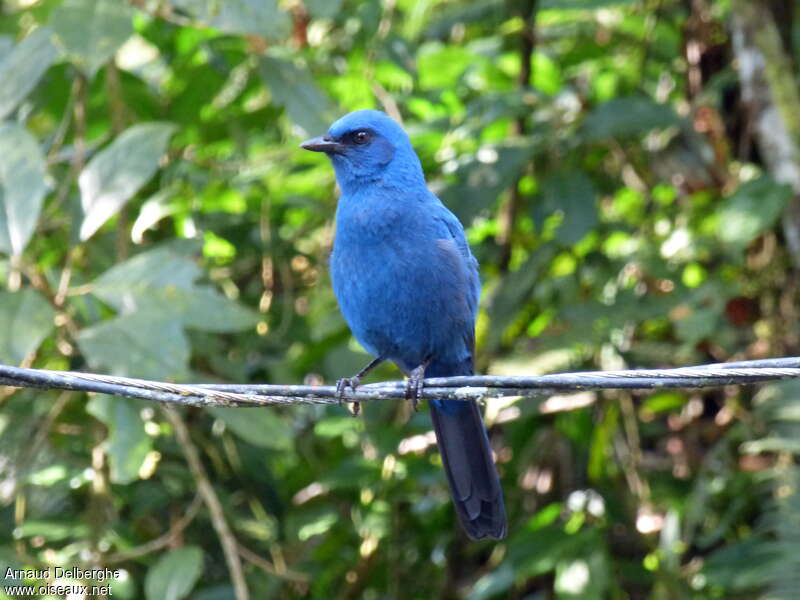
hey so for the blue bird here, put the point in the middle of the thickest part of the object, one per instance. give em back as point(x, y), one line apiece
point(408, 287)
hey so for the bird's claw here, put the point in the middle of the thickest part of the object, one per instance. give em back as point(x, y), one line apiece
point(341, 387)
point(414, 385)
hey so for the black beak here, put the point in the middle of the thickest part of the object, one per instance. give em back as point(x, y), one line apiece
point(322, 144)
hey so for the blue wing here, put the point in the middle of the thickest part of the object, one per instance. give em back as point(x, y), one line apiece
point(463, 443)
point(450, 228)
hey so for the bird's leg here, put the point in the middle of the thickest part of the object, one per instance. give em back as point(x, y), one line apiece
point(415, 383)
point(352, 382)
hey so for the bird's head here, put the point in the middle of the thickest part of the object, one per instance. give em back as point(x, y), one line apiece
point(366, 146)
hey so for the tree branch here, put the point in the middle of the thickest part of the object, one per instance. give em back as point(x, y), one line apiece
point(206, 490)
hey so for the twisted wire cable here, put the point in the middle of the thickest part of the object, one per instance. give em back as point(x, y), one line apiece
point(456, 388)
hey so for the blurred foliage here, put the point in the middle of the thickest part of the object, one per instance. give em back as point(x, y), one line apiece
point(158, 220)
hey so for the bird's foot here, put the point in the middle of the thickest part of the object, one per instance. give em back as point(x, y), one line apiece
point(341, 388)
point(414, 385)
point(352, 383)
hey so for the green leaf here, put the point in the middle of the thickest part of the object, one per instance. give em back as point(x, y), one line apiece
point(771, 444)
point(493, 584)
point(480, 179)
point(442, 66)
point(661, 402)
point(601, 446)
point(9, 560)
point(127, 444)
point(152, 211)
point(753, 208)
point(91, 31)
point(162, 281)
point(547, 75)
point(627, 117)
point(148, 344)
point(208, 310)
point(336, 426)
point(53, 530)
point(743, 565)
point(779, 401)
point(6, 47)
point(698, 325)
point(571, 194)
point(216, 592)
point(27, 319)
point(249, 17)
point(175, 574)
point(512, 291)
point(263, 428)
point(22, 186)
point(323, 9)
point(293, 88)
point(21, 69)
point(128, 285)
point(455, 14)
point(580, 4)
point(535, 552)
point(117, 172)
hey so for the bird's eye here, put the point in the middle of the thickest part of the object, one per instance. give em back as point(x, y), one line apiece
point(361, 137)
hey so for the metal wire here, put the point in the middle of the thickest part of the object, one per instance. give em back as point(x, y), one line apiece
point(455, 388)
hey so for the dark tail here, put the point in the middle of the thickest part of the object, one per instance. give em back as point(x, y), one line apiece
point(467, 460)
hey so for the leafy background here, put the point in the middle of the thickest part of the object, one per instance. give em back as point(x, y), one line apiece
point(629, 175)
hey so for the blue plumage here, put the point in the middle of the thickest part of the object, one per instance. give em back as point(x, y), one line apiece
point(408, 287)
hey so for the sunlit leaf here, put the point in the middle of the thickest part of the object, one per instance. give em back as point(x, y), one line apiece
point(547, 76)
point(336, 426)
point(53, 530)
point(320, 525)
point(442, 66)
point(585, 576)
point(602, 442)
point(22, 186)
point(152, 212)
point(117, 172)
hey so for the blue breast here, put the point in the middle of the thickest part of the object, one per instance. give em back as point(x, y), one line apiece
point(397, 290)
